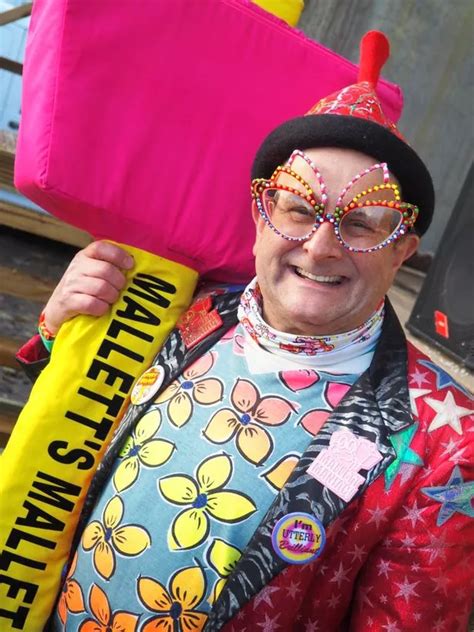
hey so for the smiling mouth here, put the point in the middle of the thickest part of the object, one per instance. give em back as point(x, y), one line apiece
point(319, 278)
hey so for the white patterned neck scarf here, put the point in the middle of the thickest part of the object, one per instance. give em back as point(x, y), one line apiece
point(350, 343)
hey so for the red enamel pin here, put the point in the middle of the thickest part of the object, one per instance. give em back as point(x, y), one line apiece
point(198, 322)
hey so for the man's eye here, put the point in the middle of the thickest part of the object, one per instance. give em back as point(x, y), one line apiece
point(300, 210)
point(300, 215)
point(358, 224)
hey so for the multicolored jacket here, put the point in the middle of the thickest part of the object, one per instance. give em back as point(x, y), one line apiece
point(398, 555)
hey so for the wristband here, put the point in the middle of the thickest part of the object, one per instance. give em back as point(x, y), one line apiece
point(47, 337)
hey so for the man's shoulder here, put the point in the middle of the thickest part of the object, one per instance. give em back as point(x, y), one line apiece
point(425, 373)
point(443, 408)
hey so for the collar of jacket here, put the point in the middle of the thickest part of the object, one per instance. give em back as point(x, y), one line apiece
point(376, 407)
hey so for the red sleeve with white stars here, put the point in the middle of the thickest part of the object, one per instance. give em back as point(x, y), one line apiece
point(420, 576)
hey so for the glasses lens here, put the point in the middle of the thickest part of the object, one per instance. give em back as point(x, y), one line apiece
point(289, 213)
point(369, 226)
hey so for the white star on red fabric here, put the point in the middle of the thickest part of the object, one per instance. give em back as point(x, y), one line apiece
point(333, 601)
point(265, 596)
point(419, 377)
point(408, 541)
point(384, 568)
point(358, 553)
point(441, 583)
point(378, 515)
point(416, 616)
point(407, 589)
point(269, 624)
point(458, 457)
point(311, 626)
point(451, 449)
point(364, 597)
point(443, 379)
point(415, 393)
point(413, 513)
point(383, 598)
point(427, 471)
point(449, 446)
point(439, 625)
point(293, 589)
point(391, 626)
point(340, 575)
point(437, 547)
point(448, 413)
point(337, 527)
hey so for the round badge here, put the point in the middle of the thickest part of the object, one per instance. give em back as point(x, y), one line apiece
point(298, 538)
point(147, 385)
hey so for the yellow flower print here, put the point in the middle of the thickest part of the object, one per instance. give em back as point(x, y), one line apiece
point(207, 391)
point(106, 620)
point(280, 472)
point(128, 540)
point(223, 558)
point(141, 449)
point(245, 422)
point(207, 498)
point(175, 606)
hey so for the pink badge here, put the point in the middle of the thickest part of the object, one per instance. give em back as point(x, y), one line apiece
point(337, 467)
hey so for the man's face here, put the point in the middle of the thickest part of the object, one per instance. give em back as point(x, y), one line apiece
point(318, 287)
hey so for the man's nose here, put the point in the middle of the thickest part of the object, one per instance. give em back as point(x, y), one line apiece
point(324, 244)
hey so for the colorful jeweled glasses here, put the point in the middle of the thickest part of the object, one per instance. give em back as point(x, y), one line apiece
point(293, 203)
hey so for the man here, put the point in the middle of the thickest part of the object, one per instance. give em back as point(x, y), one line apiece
point(301, 467)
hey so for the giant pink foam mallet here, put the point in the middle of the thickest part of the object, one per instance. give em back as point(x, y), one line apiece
point(141, 119)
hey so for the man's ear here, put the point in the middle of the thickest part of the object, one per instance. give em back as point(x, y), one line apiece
point(405, 248)
point(259, 224)
point(255, 214)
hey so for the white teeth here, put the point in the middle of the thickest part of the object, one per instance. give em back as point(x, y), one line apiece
point(319, 278)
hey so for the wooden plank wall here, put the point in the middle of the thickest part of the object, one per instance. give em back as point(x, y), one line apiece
point(432, 62)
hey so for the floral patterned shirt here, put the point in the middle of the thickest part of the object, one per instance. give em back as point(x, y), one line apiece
point(193, 482)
